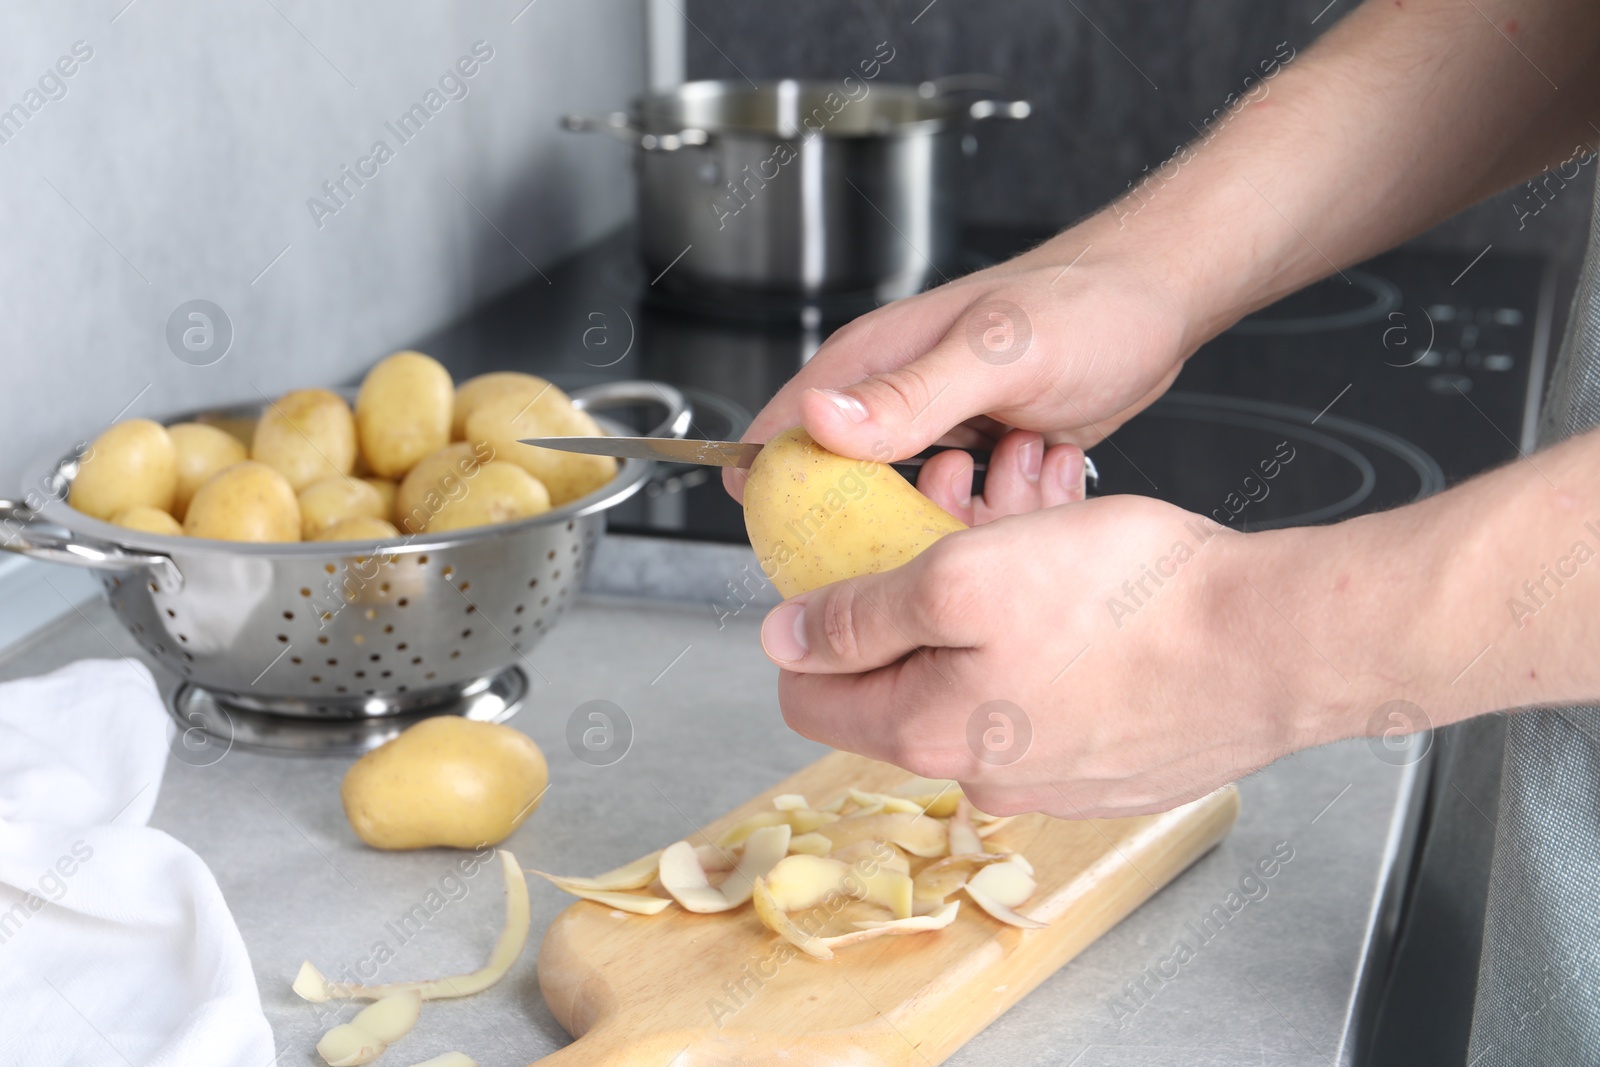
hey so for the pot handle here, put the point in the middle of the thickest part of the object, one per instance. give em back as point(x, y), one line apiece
point(986, 108)
point(25, 533)
point(621, 126)
point(680, 414)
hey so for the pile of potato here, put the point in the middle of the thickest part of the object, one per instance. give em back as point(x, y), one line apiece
point(416, 455)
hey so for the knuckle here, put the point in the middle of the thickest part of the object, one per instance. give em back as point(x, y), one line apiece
point(950, 585)
point(839, 623)
point(908, 388)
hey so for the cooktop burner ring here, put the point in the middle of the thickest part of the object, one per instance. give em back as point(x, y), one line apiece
point(1297, 423)
point(1385, 298)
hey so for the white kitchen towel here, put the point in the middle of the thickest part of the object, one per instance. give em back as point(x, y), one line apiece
point(116, 947)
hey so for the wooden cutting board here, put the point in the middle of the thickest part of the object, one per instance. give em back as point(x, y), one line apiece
point(690, 990)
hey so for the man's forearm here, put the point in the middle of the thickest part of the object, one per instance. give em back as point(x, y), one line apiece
point(1402, 115)
point(1483, 598)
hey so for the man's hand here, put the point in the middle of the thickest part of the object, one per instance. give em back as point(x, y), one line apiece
point(1066, 346)
point(1086, 661)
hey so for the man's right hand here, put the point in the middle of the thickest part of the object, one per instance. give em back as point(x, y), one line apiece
point(1065, 341)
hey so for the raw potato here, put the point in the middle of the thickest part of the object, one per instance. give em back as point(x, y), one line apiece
point(441, 474)
point(306, 436)
point(386, 489)
point(248, 501)
point(499, 492)
point(816, 518)
point(132, 464)
point(149, 520)
point(473, 391)
point(201, 452)
point(403, 412)
point(360, 528)
point(445, 781)
point(501, 421)
point(327, 503)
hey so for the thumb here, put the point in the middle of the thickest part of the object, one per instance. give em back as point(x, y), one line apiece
point(978, 367)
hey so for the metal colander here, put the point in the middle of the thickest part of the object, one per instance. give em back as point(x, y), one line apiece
point(343, 631)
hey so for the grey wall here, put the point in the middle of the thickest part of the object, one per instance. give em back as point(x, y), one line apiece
point(1115, 83)
point(176, 163)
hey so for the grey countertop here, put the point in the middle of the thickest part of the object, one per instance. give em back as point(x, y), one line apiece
point(1276, 986)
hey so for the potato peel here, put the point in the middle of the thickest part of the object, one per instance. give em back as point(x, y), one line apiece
point(810, 844)
point(636, 875)
point(313, 986)
point(1010, 882)
point(917, 834)
point(622, 900)
point(685, 879)
point(963, 838)
point(1002, 912)
point(799, 820)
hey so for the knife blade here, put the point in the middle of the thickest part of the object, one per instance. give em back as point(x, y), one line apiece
point(730, 453)
point(705, 453)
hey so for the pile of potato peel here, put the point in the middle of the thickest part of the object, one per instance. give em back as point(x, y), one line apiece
point(906, 853)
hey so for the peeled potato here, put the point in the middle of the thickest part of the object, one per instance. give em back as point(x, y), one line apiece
point(403, 412)
point(360, 528)
point(501, 421)
point(132, 464)
point(445, 781)
point(435, 479)
point(473, 391)
point(306, 436)
point(331, 501)
point(815, 517)
point(248, 501)
point(149, 520)
point(498, 492)
point(201, 452)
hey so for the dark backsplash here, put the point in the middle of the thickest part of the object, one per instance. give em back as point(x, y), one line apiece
point(1116, 85)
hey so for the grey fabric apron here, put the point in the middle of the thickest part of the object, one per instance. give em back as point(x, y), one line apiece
point(1538, 998)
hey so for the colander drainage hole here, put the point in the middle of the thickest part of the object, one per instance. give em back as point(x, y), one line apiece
point(415, 660)
point(520, 609)
point(333, 662)
point(289, 615)
point(316, 678)
point(171, 614)
point(295, 660)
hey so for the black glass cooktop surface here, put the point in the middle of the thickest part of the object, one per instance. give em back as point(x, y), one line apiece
point(1368, 389)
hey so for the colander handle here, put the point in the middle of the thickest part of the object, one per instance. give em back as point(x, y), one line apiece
point(25, 533)
point(615, 394)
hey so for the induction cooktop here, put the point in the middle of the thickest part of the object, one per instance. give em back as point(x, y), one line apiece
point(1376, 386)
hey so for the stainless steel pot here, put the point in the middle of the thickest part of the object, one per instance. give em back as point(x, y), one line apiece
point(800, 188)
point(342, 631)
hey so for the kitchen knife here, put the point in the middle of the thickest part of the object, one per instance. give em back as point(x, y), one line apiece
point(725, 453)
point(707, 453)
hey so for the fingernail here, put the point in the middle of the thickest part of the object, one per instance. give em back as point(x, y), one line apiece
point(783, 635)
point(1072, 474)
point(961, 487)
point(848, 406)
point(1030, 455)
